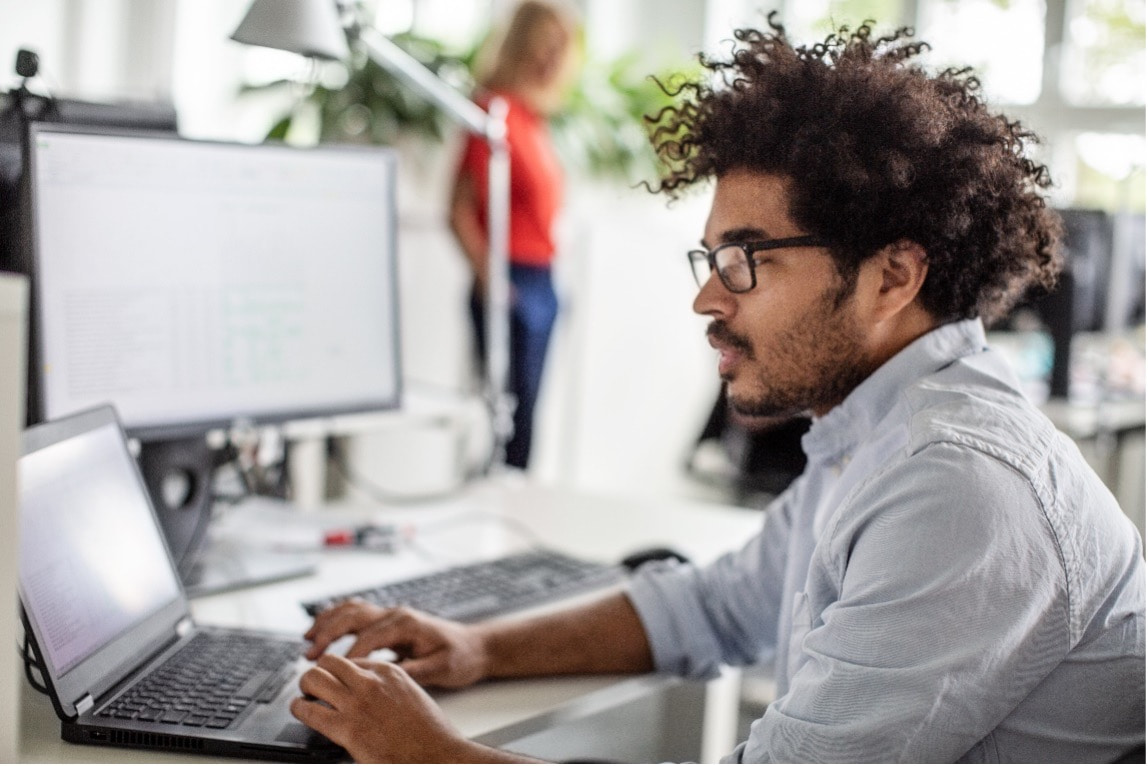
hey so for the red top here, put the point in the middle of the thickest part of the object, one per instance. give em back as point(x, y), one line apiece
point(535, 182)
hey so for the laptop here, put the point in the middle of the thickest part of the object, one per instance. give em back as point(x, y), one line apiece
point(123, 661)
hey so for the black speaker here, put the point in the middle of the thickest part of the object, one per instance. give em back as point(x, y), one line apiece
point(178, 475)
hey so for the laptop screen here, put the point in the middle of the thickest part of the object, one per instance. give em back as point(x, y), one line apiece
point(92, 561)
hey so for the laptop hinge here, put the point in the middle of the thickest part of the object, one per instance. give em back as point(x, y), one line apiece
point(183, 626)
point(84, 704)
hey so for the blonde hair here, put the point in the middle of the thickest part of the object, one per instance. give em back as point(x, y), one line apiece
point(534, 49)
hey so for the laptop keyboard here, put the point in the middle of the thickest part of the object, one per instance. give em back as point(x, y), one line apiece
point(476, 591)
point(210, 682)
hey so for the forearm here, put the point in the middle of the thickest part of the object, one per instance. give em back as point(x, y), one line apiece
point(468, 229)
point(605, 636)
point(472, 241)
point(472, 752)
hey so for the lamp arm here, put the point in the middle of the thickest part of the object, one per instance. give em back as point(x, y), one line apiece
point(406, 67)
point(491, 126)
point(498, 283)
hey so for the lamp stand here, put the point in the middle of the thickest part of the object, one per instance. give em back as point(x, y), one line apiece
point(490, 125)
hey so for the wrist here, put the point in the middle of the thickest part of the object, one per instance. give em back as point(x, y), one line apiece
point(486, 647)
point(472, 752)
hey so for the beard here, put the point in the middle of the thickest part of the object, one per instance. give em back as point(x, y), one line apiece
point(811, 365)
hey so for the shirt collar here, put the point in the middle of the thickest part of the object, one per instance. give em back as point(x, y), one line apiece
point(835, 434)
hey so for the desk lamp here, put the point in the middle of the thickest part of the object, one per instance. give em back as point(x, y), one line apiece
point(316, 28)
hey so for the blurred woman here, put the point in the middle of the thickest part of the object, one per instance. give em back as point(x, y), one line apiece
point(531, 70)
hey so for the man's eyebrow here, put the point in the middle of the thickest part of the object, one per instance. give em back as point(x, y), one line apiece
point(740, 234)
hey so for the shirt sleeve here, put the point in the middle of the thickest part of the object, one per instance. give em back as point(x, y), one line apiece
point(948, 607)
point(697, 619)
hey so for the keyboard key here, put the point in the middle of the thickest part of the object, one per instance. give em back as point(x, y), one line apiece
point(254, 684)
point(190, 687)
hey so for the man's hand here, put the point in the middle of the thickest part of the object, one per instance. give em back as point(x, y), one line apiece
point(432, 651)
point(378, 714)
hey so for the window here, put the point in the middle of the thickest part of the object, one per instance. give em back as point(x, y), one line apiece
point(1002, 39)
point(1087, 106)
point(812, 20)
point(1103, 58)
point(456, 25)
point(1109, 171)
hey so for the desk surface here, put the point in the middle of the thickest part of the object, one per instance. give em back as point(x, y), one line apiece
point(487, 520)
point(1085, 421)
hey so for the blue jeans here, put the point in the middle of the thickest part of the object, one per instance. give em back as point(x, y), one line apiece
point(534, 307)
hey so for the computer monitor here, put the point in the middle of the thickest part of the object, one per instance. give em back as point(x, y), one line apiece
point(1101, 287)
point(200, 285)
point(18, 109)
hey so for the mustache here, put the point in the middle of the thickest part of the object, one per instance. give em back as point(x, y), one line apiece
point(719, 332)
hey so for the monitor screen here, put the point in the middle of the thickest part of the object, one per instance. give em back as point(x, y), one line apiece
point(17, 111)
point(199, 284)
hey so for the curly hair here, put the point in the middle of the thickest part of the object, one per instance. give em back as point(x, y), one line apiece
point(876, 151)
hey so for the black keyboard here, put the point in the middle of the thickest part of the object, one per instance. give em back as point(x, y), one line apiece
point(210, 682)
point(476, 591)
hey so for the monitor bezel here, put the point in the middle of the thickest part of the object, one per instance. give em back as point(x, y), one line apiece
point(196, 427)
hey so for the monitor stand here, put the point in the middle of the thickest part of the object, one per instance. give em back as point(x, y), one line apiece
point(179, 477)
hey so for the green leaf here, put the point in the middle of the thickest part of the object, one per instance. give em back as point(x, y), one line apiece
point(279, 130)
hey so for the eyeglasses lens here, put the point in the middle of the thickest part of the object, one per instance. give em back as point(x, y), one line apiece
point(700, 265)
point(734, 268)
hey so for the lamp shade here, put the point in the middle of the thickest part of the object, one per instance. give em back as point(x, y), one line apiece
point(308, 27)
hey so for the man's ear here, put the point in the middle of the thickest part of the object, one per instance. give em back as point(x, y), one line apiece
point(900, 271)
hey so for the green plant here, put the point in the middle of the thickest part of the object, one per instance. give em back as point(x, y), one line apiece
point(373, 106)
point(600, 133)
point(602, 129)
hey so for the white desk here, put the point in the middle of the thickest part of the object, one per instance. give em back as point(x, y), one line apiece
point(499, 713)
point(1111, 438)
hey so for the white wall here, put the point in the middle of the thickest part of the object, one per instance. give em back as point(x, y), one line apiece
point(13, 315)
point(630, 378)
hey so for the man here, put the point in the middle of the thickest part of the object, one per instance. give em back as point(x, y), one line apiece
point(947, 580)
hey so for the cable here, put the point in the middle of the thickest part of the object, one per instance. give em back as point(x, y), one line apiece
point(32, 659)
point(488, 408)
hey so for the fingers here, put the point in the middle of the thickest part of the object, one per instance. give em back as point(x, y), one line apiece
point(321, 683)
point(334, 681)
point(319, 717)
point(396, 628)
point(351, 676)
point(429, 647)
point(326, 697)
point(380, 715)
point(338, 621)
point(373, 670)
point(429, 670)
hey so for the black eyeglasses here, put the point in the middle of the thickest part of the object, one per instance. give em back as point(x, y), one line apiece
point(734, 261)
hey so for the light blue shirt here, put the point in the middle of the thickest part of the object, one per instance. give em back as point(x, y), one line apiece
point(947, 581)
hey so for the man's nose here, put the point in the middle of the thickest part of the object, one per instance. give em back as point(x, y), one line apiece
point(713, 299)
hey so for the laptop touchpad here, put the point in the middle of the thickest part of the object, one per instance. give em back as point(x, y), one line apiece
point(299, 734)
